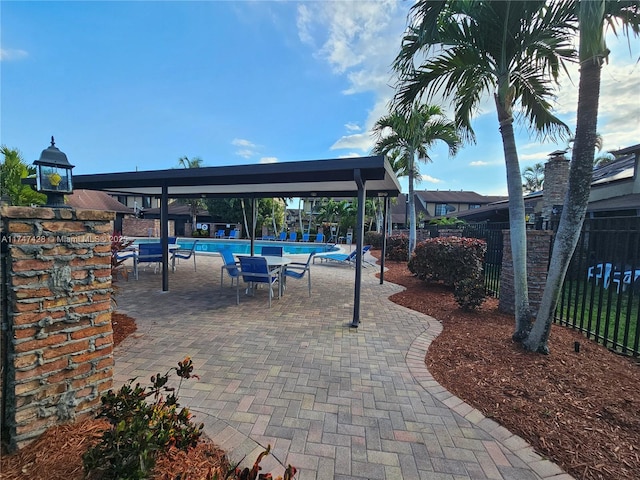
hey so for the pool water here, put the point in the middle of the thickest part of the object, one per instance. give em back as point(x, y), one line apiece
point(210, 245)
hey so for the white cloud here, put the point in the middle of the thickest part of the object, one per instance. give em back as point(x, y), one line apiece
point(240, 142)
point(245, 153)
point(269, 160)
point(361, 141)
point(479, 163)
point(352, 127)
point(8, 54)
point(430, 179)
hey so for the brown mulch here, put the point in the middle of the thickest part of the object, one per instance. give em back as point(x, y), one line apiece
point(581, 410)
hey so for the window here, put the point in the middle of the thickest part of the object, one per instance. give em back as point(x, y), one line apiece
point(474, 205)
point(146, 202)
point(441, 209)
point(122, 199)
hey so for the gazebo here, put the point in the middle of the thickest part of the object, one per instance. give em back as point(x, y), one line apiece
point(359, 177)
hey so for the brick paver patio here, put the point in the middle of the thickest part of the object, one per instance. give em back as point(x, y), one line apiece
point(336, 402)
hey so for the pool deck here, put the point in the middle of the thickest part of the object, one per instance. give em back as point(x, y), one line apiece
point(335, 402)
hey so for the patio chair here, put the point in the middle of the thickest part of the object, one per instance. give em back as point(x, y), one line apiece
point(219, 233)
point(234, 234)
point(148, 253)
point(343, 258)
point(283, 236)
point(230, 265)
point(293, 237)
point(184, 254)
point(254, 271)
point(272, 250)
point(320, 237)
point(298, 270)
point(305, 237)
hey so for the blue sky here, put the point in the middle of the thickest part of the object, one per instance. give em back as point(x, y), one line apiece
point(137, 85)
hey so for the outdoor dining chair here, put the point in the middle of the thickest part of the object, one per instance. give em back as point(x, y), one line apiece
point(274, 250)
point(184, 254)
point(230, 265)
point(149, 253)
point(254, 271)
point(299, 269)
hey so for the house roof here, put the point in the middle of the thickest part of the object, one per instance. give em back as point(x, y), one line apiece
point(619, 169)
point(451, 196)
point(96, 200)
point(625, 202)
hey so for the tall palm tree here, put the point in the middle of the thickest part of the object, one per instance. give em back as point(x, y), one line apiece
point(593, 16)
point(533, 178)
point(512, 50)
point(195, 204)
point(413, 133)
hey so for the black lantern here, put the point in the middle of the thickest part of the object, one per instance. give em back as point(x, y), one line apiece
point(53, 176)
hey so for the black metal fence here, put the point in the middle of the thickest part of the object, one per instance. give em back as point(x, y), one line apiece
point(601, 293)
point(492, 234)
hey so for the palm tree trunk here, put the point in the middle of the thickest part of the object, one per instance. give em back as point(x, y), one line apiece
point(412, 207)
point(244, 215)
point(517, 225)
point(576, 202)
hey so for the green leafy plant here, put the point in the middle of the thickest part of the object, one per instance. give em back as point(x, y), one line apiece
point(469, 293)
point(373, 238)
point(143, 422)
point(397, 248)
point(118, 244)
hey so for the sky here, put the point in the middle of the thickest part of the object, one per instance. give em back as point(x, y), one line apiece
point(136, 85)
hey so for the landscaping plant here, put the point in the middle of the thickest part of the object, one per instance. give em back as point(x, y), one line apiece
point(143, 422)
point(397, 248)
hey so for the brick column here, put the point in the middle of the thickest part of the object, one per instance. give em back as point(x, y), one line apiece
point(538, 251)
point(58, 354)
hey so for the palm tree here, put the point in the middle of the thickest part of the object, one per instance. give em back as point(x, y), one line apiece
point(12, 171)
point(592, 16)
point(512, 50)
point(533, 178)
point(195, 204)
point(412, 134)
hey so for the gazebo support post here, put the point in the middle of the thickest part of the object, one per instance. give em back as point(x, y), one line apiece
point(360, 182)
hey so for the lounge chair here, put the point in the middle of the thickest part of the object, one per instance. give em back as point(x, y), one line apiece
point(234, 234)
point(293, 237)
point(348, 259)
point(320, 237)
point(184, 254)
point(305, 237)
point(255, 270)
point(275, 250)
point(298, 270)
point(283, 236)
point(230, 265)
point(219, 233)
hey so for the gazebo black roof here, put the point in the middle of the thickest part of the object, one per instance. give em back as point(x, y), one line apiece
point(321, 178)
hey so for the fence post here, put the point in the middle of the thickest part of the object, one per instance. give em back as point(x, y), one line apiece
point(538, 251)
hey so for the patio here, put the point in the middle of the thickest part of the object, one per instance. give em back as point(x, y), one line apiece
point(333, 401)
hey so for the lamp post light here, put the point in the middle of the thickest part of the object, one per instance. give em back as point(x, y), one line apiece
point(53, 176)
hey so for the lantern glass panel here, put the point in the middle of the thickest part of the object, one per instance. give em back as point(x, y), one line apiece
point(53, 179)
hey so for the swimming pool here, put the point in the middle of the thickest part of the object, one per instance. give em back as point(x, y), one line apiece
point(210, 245)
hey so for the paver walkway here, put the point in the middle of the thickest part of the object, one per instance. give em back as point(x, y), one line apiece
point(337, 403)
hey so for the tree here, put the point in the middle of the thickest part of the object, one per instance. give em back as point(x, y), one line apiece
point(12, 171)
point(413, 133)
point(533, 178)
point(195, 204)
point(592, 16)
point(512, 50)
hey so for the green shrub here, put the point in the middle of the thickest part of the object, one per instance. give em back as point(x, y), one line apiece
point(448, 259)
point(397, 248)
point(143, 423)
point(373, 238)
point(469, 293)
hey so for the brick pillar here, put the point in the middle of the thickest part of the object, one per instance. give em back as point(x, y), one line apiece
point(538, 251)
point(58, 355)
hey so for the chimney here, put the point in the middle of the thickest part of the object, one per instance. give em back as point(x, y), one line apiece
point(556, 180)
